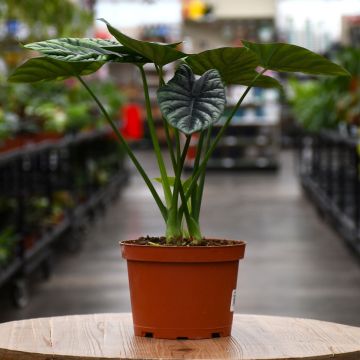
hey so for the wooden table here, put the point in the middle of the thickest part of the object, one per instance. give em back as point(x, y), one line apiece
point(110, 336)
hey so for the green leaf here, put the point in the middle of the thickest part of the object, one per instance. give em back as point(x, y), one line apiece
point(292, 58)
point(75, 49)
point(123, 50)
point(235, 65)
point(126, 55)
point(46, 69)
point(192, 105)
point(160, 54)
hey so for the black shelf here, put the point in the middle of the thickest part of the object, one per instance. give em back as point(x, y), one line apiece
point(38, 174)
point(330, 175)
point(10, 271)
point(47, 239)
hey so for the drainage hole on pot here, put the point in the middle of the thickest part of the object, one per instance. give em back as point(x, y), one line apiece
point(215, 335)
point(149, 335)
point(182, 338)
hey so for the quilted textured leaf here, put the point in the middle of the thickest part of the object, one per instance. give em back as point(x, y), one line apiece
point(75, 49)
point(46, 69)
point(192, 105)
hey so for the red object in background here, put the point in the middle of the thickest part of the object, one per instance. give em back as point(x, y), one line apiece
point(191, 154)
point(102, 34)
point(47, 136)
point(132, 122)
point(354, 84)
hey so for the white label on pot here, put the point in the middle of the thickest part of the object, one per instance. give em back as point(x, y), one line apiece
point(233, 300)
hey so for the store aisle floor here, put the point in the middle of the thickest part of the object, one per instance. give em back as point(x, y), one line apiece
point(295, 265)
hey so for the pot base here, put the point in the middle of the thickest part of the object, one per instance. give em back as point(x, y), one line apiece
point(179, 334)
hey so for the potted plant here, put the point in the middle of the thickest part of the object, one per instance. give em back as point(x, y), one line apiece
point(182, 285)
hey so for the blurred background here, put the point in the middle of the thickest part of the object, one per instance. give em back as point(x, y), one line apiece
point(285, 178)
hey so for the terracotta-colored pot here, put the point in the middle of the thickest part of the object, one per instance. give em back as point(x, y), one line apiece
point(182, 292)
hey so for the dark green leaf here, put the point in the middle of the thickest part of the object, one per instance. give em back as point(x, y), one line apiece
point(235, 65)
point(123, 50)
point(126, 55)
point(160, 54)
point(74, 49)
point(286, 57)
point(192, 105)
point(46, 69)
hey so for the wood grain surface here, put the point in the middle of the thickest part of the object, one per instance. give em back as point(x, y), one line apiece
point(110, 336)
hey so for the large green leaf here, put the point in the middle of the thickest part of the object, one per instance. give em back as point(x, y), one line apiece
point(46, 69)
point(192, 105)
point(160, 54)
point(87, 50)
point(75, 49)
point(286, 57)
point(235, 65)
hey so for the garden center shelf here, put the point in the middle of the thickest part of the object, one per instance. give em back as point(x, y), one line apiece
point(329, 173)
point(48, 191)
point(252, 140)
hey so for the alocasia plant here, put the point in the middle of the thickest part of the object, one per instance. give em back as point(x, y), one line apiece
point(189, 105)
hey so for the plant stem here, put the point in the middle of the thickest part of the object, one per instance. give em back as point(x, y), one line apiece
point(196, 166)
point(192, 224)
point(127, 148)
point(202, 167)
point(166, 125)
point(173, 230)
point(177, 142)
point(169, 144)
point(180, 165)
point(160, 160)
point(200, 189)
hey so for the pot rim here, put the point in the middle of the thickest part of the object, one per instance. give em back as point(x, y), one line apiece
point(183, 254)
point(238, 243)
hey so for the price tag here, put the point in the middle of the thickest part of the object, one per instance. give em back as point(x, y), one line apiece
point(233, 300)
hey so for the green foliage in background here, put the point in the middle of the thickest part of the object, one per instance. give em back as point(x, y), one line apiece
point(59, 17)
point(54, 107)
point(8, 242)
point(323, 104)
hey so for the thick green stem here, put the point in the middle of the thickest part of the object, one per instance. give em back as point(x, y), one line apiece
point(196, 166)
point(202, 167)
point(174, 222)
point(160, 160)
point(177, 144)
point(179, 168)
point(192, 224)
point(200, 188)
point(127, 148)
point(165, 123)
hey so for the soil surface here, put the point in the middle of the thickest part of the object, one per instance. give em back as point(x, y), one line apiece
point(161, 241)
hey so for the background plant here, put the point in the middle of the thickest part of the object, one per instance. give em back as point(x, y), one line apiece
point(188, 104)
point(54, 107)
point(325, 103)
